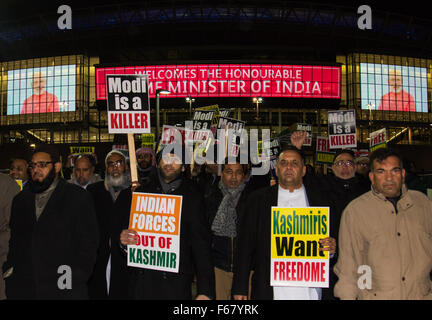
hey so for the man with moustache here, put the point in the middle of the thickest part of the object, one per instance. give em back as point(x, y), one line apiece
point(225, 207)
point(19, 170)
point(385, 238)
point(341, 188)
point(195, 239)
point(83, 172)
point(110, 276)
point(54, 235)
point(146, 160)
point(254, 236)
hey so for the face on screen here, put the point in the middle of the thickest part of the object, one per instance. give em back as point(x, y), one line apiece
point(41, 90)
point(38, 83)
point(393, 87)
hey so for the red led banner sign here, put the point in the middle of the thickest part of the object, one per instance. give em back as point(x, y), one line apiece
point(233, 80)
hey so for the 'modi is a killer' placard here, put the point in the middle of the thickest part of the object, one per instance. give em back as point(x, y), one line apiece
point(128, 104)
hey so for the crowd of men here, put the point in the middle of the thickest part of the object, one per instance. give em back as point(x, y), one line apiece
point(67, 239)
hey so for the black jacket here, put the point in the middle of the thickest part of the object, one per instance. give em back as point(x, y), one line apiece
point(254, 240)
point(224, 248)
point(195, 254)
point(66, 234)
point(340, 193)
point(110, 226)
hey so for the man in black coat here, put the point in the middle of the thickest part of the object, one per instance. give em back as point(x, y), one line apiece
point(54, 235)
point(195, 252)
point(110, 277)
point(225, 208)
point(254, 236)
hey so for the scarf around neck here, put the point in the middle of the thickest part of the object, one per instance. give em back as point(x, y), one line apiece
point(225, 221)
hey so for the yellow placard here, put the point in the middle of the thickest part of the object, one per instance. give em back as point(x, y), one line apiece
point(296, 258)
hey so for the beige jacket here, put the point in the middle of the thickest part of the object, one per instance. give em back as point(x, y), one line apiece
point(8, 189)
point(396, 247)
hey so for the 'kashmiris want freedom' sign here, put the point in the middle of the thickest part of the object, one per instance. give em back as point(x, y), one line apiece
point(295, 256)
point(156, 219)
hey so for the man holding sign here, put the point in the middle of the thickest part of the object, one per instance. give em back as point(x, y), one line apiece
point(255, 232)
point(167, 235)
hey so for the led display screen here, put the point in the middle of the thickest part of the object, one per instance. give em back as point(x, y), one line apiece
point(233, 80)
point(41, 90)
point(393, 88)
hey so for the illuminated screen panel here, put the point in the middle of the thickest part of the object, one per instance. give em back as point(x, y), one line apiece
point(233, 80)
point(393, 88)
point(41, 90)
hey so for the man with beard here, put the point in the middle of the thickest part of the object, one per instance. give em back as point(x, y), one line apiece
point(110, 275)
point(146, 160)
point(195, 240)
point(83, 171)
point(54, 235)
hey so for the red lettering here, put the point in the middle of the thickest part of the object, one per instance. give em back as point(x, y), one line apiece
point(125, 122)
point(299, 271)
point(276, 270)
point(315, 272)
point(114, 118)
point(307, 271)
point(322, 265)
point(288, 278)
point(144, 123)
point(293, 271)
point(282, 271)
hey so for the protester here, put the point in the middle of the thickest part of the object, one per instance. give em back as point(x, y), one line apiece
point(19, 170)
point(8, 189)
point(384, 238)
point(254, 234)
point(146, 160)
point(412, 180)
point(83, 171)
point(225, 207)
point(363, 168)
point(195, 238)
point(341, 187)
point(53, 228)
point(110, 275)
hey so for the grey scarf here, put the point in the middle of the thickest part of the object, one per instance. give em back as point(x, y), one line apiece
point(171, 186)
point(224, 223)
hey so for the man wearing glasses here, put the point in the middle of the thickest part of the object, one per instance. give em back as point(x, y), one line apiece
point(54, 235)
point(110, 277)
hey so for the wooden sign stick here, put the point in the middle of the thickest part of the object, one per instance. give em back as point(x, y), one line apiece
point(132, 157)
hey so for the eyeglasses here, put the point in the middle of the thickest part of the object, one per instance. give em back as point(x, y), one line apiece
point(39, 164)
point(117, 163)
point(348, 163)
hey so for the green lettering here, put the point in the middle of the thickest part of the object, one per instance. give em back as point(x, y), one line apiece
point(132, 255)
point(275, 222)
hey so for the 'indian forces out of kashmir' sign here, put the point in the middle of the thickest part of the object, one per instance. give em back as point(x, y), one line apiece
point(156, 218)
